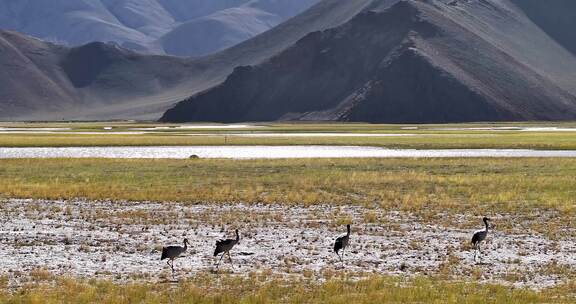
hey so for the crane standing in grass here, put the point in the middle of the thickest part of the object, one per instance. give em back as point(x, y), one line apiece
point(341, 243)
point(173, 252)
point(224, 247)
point(480, 236)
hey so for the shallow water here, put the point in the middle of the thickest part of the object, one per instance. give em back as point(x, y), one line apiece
point(110, 130)
point(523, 129)
point(327, 134)
point(267, 152)
point(192, 127)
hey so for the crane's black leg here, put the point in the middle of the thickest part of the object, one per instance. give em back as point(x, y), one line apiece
point(480, 251)
point(475, 251)
point(338, 256)
point(230, 258)
point(171, 266)
point(218, 264)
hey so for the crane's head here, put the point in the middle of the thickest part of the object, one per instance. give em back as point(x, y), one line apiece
point(186, 241)
point(486, 219)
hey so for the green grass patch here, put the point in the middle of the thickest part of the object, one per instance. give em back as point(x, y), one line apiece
point(453, 140)
point(427, 136)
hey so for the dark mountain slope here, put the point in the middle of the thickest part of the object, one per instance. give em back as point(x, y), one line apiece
point(417, 61)
point(44, 81)
point(28, 78)
point(324, 15)
point(556, 17)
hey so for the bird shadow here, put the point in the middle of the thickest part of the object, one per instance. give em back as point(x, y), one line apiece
point(221, 271)
point(169, 281)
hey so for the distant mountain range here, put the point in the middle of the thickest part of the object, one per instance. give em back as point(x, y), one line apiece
point(174, 27)
point(354, 60)
point(413, 61)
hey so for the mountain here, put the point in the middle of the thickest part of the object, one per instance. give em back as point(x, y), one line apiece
point(410, 61)
point(556, 17)
point(20, 67)
point(41, 80)
point(228, 27)
point(174, 27)
point(99, 81)
point(356, 60)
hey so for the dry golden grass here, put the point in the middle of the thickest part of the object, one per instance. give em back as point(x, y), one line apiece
point(416, 185)
point(207, 289)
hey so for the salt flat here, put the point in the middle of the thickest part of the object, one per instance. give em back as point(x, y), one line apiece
point(122, 241)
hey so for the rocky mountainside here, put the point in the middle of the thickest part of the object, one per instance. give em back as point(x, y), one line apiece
point(356, 60)
point(555, 17)
point(41, 80)
point(99, 81)
point(174, 27)
point(410, 61)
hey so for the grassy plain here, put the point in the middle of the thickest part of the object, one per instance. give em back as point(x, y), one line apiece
point(261, 289)
point(417, 185)
point(425, 187)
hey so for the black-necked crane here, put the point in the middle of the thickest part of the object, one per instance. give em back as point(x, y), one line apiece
point(173, 252)
point(224, 247)
point(480, 236)
point(341, 243)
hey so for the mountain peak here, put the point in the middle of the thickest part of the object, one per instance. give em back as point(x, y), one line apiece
point(151, 26)
point(396, 61)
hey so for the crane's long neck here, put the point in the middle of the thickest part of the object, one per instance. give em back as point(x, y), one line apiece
point(237, 237)
point(486, 224)
point(348, 229)
point(185, 245)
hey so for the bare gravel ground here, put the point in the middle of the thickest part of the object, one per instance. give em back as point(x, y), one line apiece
point(122, 241)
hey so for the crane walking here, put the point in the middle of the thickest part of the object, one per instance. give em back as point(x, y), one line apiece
point(224, 247)
point(173, 252)
point(480, 236)
point(341, 243)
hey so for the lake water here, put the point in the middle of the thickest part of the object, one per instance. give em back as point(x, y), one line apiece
point(267, 152)
point(523, 129)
